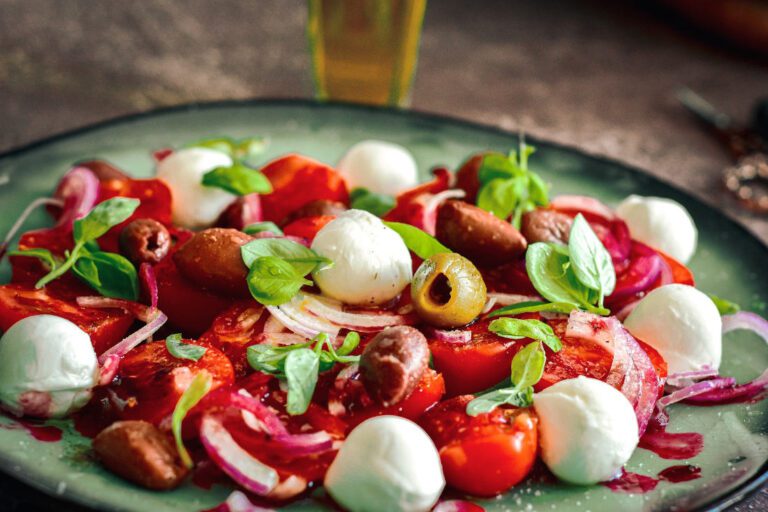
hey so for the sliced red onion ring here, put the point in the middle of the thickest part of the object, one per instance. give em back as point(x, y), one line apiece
point(108, 369)
point(297, 319)
point(291, 324)
point(583, 204)
point(135, 339)
point(241, 466)
point(685, 379)
point(333, 311)
point(735, 393)
point(666, 275)
point(140, 311)
point(79, 189)
point(643, 271)
point(280, 339)
point(40, 201)
point(239, 502)
point(745, 320)
point(429, 215)
point(604, 332)
point(457, 336)
point(273, 326)
point(288, 488)
point(642, 384)
point(699, 388)
point(457, 506)
point(507, 299)
point(149, 281)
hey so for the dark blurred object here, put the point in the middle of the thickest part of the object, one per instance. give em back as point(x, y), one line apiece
point(743, 23)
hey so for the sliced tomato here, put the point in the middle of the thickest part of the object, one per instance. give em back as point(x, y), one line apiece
point(234, 330)
point(411, 206)
point(297, 180)
point(471, 367)
point(484, 455)
point(28, 270)
point(105, 326)
point(308, 226)
point(151, 380)
point(508, 278)
point(680, 273)
point(467, 177)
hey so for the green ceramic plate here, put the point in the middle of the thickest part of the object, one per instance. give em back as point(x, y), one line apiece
point(729, 262)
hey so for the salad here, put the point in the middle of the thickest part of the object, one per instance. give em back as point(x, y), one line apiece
point(284, 326)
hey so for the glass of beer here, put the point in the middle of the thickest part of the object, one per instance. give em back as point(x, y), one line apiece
point(365, 51)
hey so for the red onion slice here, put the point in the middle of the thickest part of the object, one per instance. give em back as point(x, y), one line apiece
point(642, 384)
point(239, 502)
point(79, 190)
point(108, 369)
point(135, 339)
point(694, 390)
point(457, 506)
point(745, 320)
point(583, 204)
point(291, 324)
point(149, 282)
point(429, 212)
point(458, 336)
point(31, 207)
point(241, 466)
point(644, 268)
point(604, 332)
point(685, 379)
point(297, 319)
point(333, 311)
point(140, 311)
point(735, 393)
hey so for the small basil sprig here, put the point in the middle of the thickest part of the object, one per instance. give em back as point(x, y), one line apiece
point(533, 306)
point(507, 187)
point(377, 204)
point(181, 350)
point(262, 227)
point(299, 365)
point(724, 306)
point(277, 268)
point(420, 243)
point(527, 369)
point(110, 274)
point(580, 275)
point(242, 149)
point(238, 178)
point(516, 328)
point(198, 388)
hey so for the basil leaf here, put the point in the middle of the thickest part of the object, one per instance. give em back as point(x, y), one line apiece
point(497, 166)
point(108, 273)
point(351, 341)
point(301, 370)
point(273, 281)
point(237, 179)
point(499, 197)
point(42, 254)
point(528, 365)
point(221, 144)
point(181, 350)
point(262, 227)
point(532, 306)
point(590, 260)
point(489, 401)
point(198, 388)
point(724, 306)
point(104, 216)
point(417, 241)
point(517, 328)
point(548, 267)
point(377, 204)
point(242, 149)
point(303, 259)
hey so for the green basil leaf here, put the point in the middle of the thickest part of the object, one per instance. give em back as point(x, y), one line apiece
point(528, 366)
point(110, 274)
point(262, 227)
point(301, 370)
point(590, 260)
point(198, 388)
point(221, 144)
point(242, 149)
point(181, 350)
point(303, 259)
point(517, 328)
point(548, 267)
point(237, 179)
point(724, 306)
point(499, 197)
point(377, 204)
point(497, 166)
point(104, 216)
point(273, 281)
point(42, 254)
point(417, 241)
point(533, 306)
point(538, 190)
point(489, 401)
point(351, 341)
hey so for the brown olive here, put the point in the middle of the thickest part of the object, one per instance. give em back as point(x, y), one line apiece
point(546, 226)
point(145, 241)
point(393, 362)
point(448, 290)
point(138, 451)
point(212, 259)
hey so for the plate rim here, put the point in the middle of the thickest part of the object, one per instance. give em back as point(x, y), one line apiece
point(742, 491)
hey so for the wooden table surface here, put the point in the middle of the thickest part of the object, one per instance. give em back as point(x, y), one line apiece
point(600, 76)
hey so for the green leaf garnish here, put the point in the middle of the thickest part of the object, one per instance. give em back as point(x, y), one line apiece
point(237, 179)
point(527, 369)
point(262, 227)
point(273, 281)
point(533, 306)
point(243, 149)
point(417, 241)
point(198, 388)
point(112, 275)
point(303, 259)
point(590, 260)
point(181, 350)
point(104, 216)
point(377, 204)
point(302, 367)
point(516, 328)
point(42, 254)
point(724, 306)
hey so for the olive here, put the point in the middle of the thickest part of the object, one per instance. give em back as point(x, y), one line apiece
point(448, 290)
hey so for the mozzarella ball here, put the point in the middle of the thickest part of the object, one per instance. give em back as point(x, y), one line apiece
point(371, 263)
point(661, 223)
point(386, 464)
point(379, 166)
point(682, 324)
point(587, 430)
point(194, 205)
point(47, 367)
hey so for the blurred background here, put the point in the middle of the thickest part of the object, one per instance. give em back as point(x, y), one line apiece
point(600, 76)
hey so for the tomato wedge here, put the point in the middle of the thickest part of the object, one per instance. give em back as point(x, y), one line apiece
point(483, 455)
point(308, 226)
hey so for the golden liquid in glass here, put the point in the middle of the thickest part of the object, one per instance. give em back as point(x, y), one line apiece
point(365, 51)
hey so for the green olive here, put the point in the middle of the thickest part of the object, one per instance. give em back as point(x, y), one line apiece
point(448, 290)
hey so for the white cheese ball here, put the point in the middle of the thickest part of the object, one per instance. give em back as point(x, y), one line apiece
point(661, 223)
point(587, 430)
point(381, 167)
point(682, 323)
point(386, 464)
point(47, 367)
point(194, 206)
point(371, 263)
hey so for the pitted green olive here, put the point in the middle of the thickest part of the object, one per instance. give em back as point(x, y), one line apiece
point(448, 290)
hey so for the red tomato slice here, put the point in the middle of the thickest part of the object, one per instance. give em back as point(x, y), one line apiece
point(234, 330)
point(151, 380)
point(105, 326)
point(308, 226)
point(297, 180)
point(680, 273)
point(509, 278)
point(483, 455)
point(410, 205)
